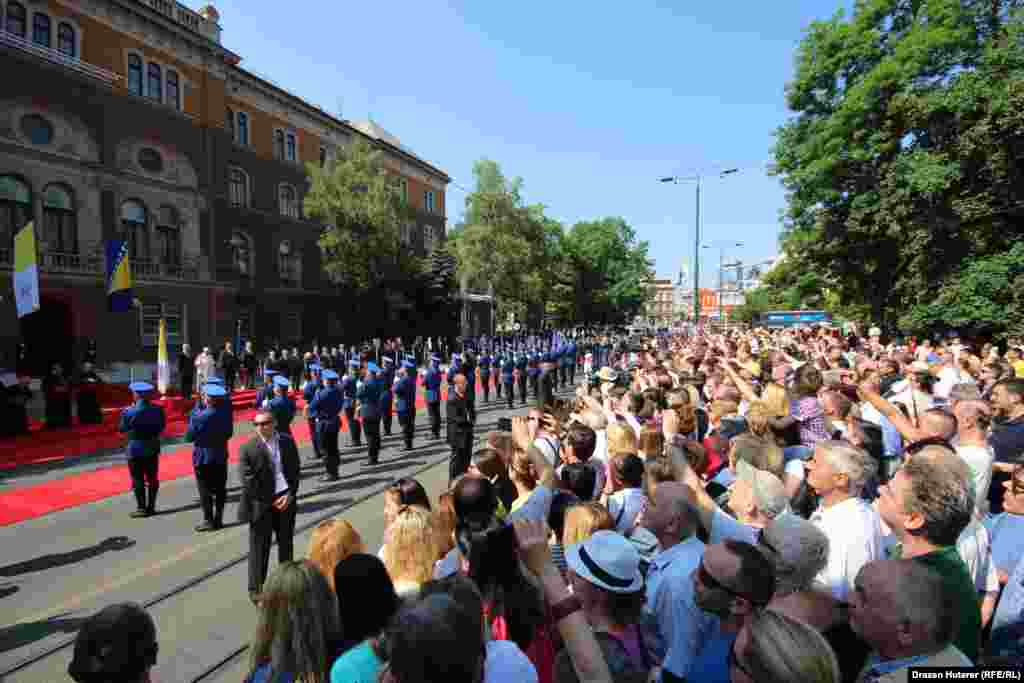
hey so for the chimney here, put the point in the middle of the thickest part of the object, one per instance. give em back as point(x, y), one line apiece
point(211, 23)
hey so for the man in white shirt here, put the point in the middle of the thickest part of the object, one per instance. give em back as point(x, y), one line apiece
point(973, 419)
point(838, 472)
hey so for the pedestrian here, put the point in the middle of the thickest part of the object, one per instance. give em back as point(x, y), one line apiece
point(89, 412)
point(326, 406)
point(460, 429)
point(521, 376)
point(387, 381)
point(57, 391)
point(369, 396)
point(405, 401)
point(269, 472)
point(186, 371)
point(227, 364)
point(484, 363)
point(349, 389)
point(282, 407)
point(144, 423)
point(250, 366)
point(266, 392)
point(432, 385)
point(210, 428)
point(313, 385)
point(469, 370)
point(508, 378)
point(204, 366)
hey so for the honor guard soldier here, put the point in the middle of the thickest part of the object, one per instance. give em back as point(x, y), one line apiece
point(370, 392)
point(469, 370)
point(533, 374)
point(499, 360)
point(387, 380)
point(209, 429)
point(144, 422)
point(326, 406)
point(508, 375)
point(484, 364)
point(565, 359)
point(228, 405)
point(405, 401)
point(313, 384)
point(573, 357)
point(521, 376)
point(282, 407)
point(547, 380)
point(432, 385)
point(266, 392)
point(349, 386)
point(453, 369)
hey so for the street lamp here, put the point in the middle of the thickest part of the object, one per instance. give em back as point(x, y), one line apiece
point(675, 180)
point(722, 246)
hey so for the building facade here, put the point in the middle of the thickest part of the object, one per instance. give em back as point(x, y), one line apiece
point(660, 306)
point(128, 119)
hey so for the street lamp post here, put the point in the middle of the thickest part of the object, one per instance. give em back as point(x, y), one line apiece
point(721, 273)
point(696, 232)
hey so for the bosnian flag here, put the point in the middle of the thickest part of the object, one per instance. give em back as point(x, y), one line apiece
point(26, 272)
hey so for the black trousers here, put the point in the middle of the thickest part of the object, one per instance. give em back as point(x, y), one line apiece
point(471, 406)
point(485, 382)
point(459, 463)
point(371, 426)
point(327, 432)
point(408, 424)
point(145, 476)
point(314, 438)
point(385, 419)
point(510, 394)
point(434, 411)
point(522, 391)
point(355, 430)
point(280, 523)
point(497, 387)
point(186, 387)
point(212, 480)
point(535, 388)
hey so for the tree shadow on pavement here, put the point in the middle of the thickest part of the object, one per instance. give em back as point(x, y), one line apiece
point(318, 505)
point(73, 557)
point(20, 635)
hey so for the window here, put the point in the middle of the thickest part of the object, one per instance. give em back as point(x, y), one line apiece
point(229, 121)
point(168, 236)
point(238, 187)
point(403, 188)
point(291, 152)
point(154, 80)
point(279, 144)
point(173, 92)
point(60, 233)
point(150, 160)
point(135, 75)
point(241, 253)
point(323, 156)
point(428, 201)
point(288, 202)
point(134, 228)
point(288, 262)
point(175, 319)
point(38, 130)
point(428, 238)
point(243, 129)
point(41, 29)
point(15, 209)
point(66, 40)
point(16, 19)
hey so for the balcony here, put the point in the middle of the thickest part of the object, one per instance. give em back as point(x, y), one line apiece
point(89, 260)
point(57, 57)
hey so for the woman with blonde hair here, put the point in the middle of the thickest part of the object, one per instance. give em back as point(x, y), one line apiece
point(411, 551)
point(583, 521)
point(652, 442)
point(775, 648)
point(621, 439)
point(331, 542)
point(444, 523)
point(298, 631)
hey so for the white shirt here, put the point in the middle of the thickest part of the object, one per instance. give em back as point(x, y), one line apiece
point(975, 548)
point(280, 483)
point(948, 378)
point(979, 459)
point(549, 447)
point(625, 506)
point(854, 534)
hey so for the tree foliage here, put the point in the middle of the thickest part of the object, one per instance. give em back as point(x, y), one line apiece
point(902, 162)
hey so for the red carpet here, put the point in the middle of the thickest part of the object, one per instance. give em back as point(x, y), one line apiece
point(29, 502)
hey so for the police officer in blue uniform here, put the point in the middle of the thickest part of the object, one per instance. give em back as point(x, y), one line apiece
point(143, 422)
point(521, 376)
point(348, 392)
point(387, 380)
point(484, 363)
point(282, 407)
point(312, 385)
point(209, 429)
point(370, 393)
point(228, 405)
point(326, 406)
point(469, 370)
point(266, 392)
point(499, 361)
point(405, 401)
point(432, 385)
point(508, 373)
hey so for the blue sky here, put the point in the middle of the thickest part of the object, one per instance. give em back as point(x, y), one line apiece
point(589, 103)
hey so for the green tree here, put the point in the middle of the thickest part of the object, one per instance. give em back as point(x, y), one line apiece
point(361, 204)
point(901, 161)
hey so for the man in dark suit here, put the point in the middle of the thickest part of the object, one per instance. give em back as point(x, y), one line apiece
point(270, 483)
point(460, 429)
point(186, 371)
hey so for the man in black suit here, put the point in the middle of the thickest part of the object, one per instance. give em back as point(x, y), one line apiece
point(460, 429)
point(270, 483)
point(186, 371)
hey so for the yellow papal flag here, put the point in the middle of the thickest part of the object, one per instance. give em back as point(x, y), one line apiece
point(26, 272)
point(163, 365)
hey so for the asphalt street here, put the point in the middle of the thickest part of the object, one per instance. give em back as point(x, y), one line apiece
point(60, 568)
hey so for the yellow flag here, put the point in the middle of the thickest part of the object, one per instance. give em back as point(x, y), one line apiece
point(26, 272)
point(163, 366)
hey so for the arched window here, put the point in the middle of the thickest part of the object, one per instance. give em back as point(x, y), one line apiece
point(292, 150)
point(241, 253)
point(243, 128)
point(41, 29)
point(15, 210)
point(288, 202)
point(238, 187)
point(168, 236)
point(60, 233)
point(155, 88)
point(134, 228)
point(135, 74)
point(66, 40)
point(229, 121)
point(173, 93)
point(16, 22)
point(279, 144)
point(289, 264)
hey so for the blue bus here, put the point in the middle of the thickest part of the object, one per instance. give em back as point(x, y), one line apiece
point(778, 319)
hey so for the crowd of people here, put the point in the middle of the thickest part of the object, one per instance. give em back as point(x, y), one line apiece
point(770, 506)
